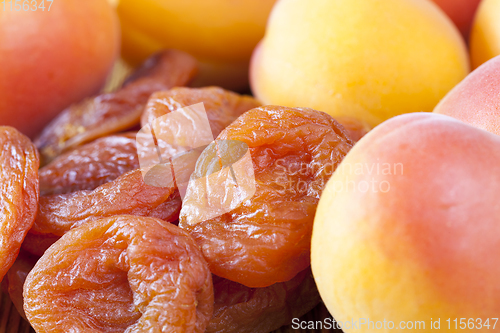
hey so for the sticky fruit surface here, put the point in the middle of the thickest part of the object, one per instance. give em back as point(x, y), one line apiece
point(19, 191)
point(120, 274)
point(266, 239)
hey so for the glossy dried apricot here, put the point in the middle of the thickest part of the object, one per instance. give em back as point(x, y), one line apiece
point(221, 106)
point(120, 274)
point(18, 193)
point(240, 309)
point(266, 239)
point(90, 165)
point(128, 194)
point(117, 111)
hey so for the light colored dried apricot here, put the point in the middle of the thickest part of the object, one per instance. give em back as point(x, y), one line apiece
point(128, 194)
point(266, 239)
point(221, 106)
point(120, 274)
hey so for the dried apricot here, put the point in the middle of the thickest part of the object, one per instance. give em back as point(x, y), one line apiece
point(113, 112)
point(120, 274)
point(266, 238)
point(36, 244)
point(166, 143)
point(15, 279)
point(18, 193)
point(221, 106)
point(240, 309)
point(128, 194)
point(90, 165)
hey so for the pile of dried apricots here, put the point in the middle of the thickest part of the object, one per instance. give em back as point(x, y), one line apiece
point(88, 246)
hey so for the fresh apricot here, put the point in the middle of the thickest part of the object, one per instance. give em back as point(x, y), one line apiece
point(408, 229)
point(221, 34)
point(485, 33)
point(365, 59)
point(51, 59)
point(475, 99)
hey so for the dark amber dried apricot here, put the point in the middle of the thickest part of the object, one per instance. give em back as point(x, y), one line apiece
point(37, 244)
point(117, 111)
point(120, 274)
point(266, 239)
point(221, 106)
point(15, 279)
point(18, 193)
point(90, 165)
point(128, 194)
point(240, 309)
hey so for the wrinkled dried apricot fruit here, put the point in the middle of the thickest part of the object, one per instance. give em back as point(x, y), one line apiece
point(90, 165)
point(120, 274)
point(221, 106)
point(117, 111)
point(178, 124)
point(128, 194)
point(266, 239)
point(18, 193)
point(240, 309)
point(15, 278)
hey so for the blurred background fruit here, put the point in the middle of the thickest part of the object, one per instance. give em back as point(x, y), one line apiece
point(475, 99)
point(51, 59)
point(220, 33)
point(461, 12)
point(485, 34)
point(367, 59)
point(393, 238)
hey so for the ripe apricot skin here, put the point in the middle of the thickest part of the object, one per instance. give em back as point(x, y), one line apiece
point(51, 59)
point(422, 245)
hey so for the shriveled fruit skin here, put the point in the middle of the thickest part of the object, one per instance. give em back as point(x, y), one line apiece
point(266, 239)
point(128, 194)
point(222, 106)
point(37, 244)
point(19, 192)
point(90, 165)
point(120, 274)
point(117, 111)
point(240, 309)
point(15, 279)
